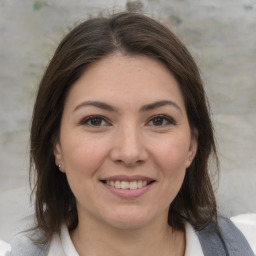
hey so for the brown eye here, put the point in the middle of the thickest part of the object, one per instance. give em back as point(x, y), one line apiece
point(158, 121)
point(94, 121)
point(161, 121)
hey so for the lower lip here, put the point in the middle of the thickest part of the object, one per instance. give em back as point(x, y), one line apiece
point(129, 193)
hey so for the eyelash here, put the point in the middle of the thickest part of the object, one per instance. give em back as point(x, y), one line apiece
point(162, 118)
point(88, 119)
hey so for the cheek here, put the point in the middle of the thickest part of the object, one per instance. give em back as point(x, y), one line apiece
point(173, 165)
point(173, 155)
point(81, 155)
point(172, 159)
point(82, 160)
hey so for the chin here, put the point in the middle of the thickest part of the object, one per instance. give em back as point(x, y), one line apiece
point(131, 224)
point(130, 221)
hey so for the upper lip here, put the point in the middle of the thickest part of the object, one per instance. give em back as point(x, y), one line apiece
point(128, 178)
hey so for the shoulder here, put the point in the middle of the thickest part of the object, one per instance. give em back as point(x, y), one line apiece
point(22, 245)
point(246, 223)
point(226, 239)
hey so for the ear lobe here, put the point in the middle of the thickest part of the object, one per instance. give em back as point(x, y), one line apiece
point(58, 156)
point(192, 151)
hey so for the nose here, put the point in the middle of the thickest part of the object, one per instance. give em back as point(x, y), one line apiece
point(128, 146)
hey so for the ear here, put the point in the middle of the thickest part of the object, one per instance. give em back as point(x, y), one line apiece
point(192, 150)
point(58, 156)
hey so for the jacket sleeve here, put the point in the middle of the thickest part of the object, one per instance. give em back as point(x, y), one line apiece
point(22, 245)
point(227, 240)
point(246, 223)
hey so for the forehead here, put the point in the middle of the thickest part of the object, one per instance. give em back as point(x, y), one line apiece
point(126, 79)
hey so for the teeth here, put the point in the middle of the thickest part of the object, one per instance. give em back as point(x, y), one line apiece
point(117, 184)
point(139, 183)
point(133, 185)
point(126, 184)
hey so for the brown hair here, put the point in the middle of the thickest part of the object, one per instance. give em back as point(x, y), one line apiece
point(132, 34)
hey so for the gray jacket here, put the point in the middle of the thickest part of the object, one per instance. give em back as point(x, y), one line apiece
point(229, 241)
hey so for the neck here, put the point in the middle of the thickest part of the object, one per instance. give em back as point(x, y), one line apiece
point(94, 239)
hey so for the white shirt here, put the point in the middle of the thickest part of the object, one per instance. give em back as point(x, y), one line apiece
point(62, 245)
point(193, 246)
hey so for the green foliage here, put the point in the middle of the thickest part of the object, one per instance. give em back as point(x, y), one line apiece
point(38, 5)
point(134, 6)
point(175, 19)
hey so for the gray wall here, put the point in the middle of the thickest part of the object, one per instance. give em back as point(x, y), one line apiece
point(221, 35)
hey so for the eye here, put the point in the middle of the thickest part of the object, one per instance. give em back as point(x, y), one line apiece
point(161, 121)
point(95, 121)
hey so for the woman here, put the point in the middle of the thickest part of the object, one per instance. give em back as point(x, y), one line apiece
point(120, 142)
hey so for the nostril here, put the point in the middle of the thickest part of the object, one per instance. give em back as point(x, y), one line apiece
point(129, 163)
point(128, 152)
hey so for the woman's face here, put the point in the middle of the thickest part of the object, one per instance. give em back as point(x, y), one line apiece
point(125, 141)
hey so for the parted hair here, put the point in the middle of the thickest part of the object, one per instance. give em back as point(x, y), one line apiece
point(130, 34)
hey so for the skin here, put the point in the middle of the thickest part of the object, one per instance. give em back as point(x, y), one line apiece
point(131, 136)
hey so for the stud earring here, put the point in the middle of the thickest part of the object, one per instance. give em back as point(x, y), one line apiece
point(59, 166)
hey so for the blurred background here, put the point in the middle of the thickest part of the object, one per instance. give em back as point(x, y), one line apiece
point(221, 36)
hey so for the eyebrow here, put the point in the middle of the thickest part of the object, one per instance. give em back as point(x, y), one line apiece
point(148, 107)
point(159, 104)
point(97, 104)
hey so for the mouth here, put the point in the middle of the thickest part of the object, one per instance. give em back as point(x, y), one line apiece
point(128, 187)
point(131, 185)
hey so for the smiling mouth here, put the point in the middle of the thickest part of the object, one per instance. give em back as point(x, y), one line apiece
point(136, 184)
